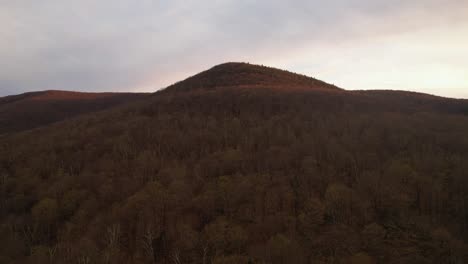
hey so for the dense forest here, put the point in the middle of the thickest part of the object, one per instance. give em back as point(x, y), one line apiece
point(242, 164)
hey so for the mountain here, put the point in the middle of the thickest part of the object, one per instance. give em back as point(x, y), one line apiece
point(35, 109)
point(242, 164)
point(234, 74)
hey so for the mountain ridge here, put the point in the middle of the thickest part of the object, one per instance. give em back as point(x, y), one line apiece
point(34, 109)
point(59, 95)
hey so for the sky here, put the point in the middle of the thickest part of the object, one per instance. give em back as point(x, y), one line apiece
point(142, 46)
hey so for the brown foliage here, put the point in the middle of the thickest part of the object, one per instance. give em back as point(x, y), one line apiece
point(242, 174)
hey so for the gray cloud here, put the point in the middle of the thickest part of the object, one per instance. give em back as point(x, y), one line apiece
point(123, 45)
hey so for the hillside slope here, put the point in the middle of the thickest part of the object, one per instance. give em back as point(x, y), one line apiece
point(31, 110)
point(233, 174)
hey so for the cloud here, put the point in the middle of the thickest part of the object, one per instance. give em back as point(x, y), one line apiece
point(124, 45)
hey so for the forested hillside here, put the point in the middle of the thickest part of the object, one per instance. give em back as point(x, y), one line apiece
point(246, 165)
point(31, 110)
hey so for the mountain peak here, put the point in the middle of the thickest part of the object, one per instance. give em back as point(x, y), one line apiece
point(240, 74)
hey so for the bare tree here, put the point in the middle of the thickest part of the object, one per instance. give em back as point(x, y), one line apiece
point(148, 239)
point(112, 240)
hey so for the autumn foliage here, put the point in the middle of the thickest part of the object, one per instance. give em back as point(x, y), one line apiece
point(232, 166)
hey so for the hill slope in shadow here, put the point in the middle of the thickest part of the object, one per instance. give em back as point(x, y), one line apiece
point(35, 109)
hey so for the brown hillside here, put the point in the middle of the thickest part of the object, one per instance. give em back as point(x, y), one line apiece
point(31, 110)
point(231, 174)
point(235, 74)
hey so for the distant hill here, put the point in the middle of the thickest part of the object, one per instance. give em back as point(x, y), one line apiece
point(35, 109)
point(234, 74)
point(240, 164)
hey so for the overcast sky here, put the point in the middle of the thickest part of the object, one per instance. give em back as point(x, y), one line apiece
point(128, 45)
